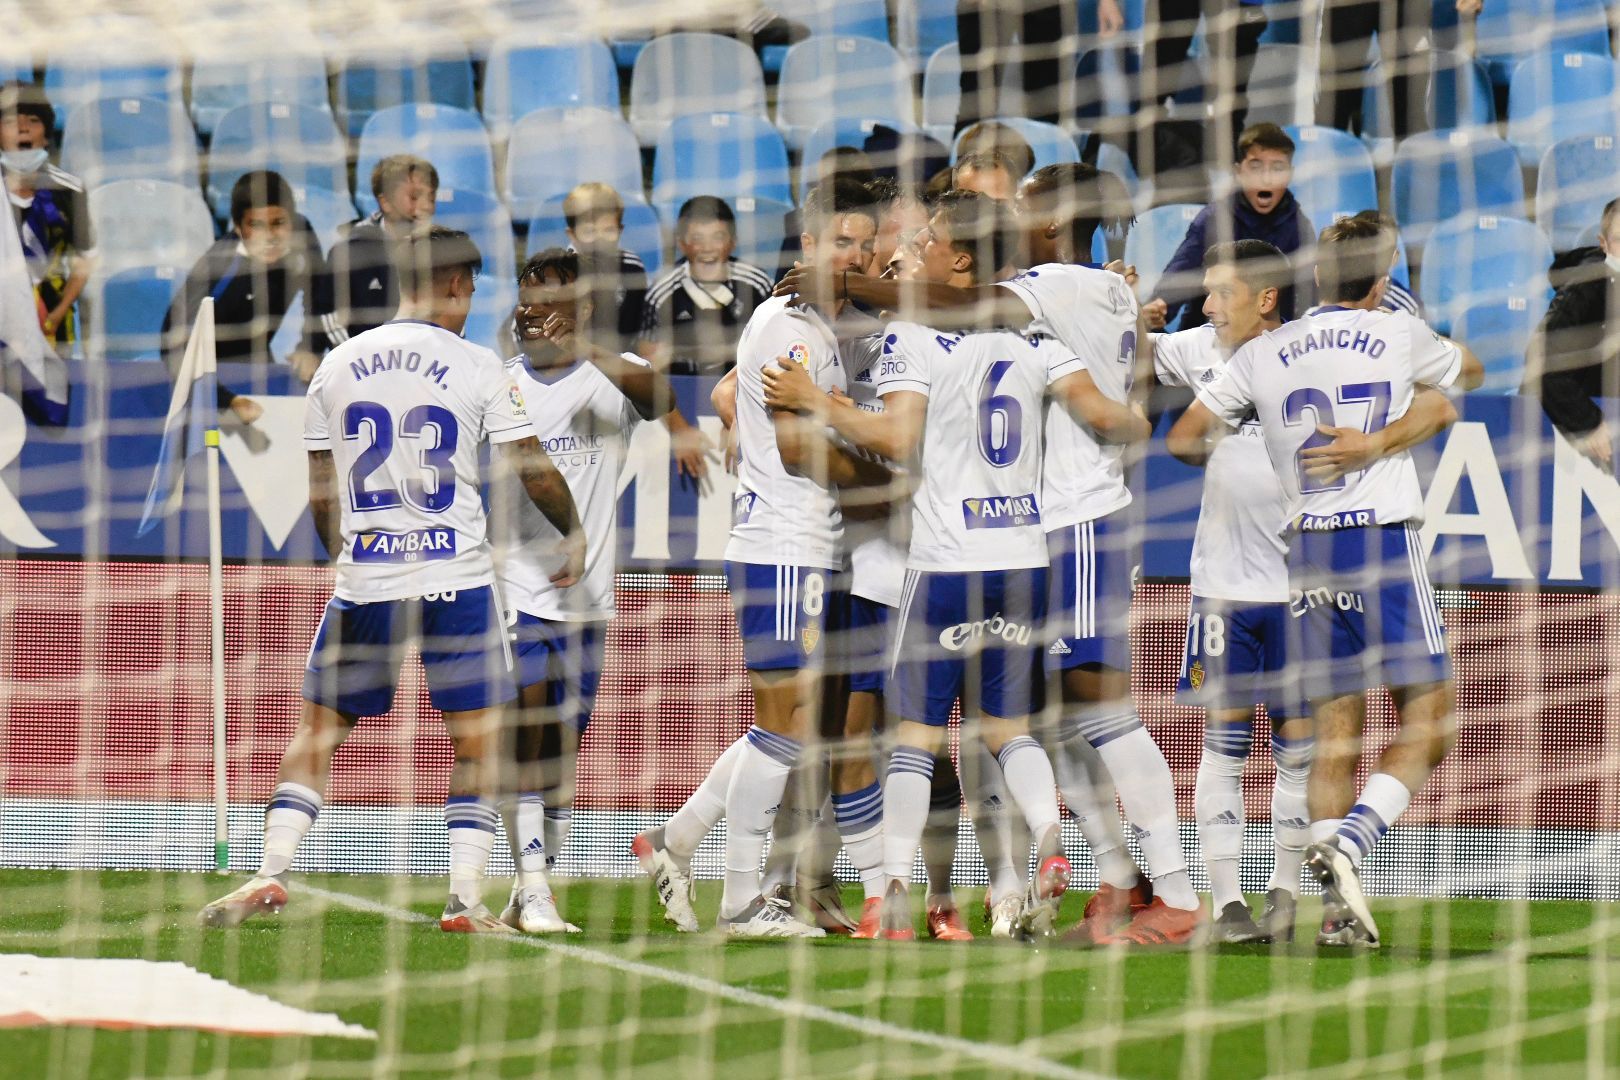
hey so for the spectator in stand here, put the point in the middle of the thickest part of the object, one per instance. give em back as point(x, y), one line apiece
point(361, 291)
point(696, 311)
point(1231, 32)
point(617, 278)
point(1403, 27)
point(996, 136)
point(988, 172)
point(1262, 208)
point(1045, 31)
point(1575, 354)
point(253, 274)
point(50, 210)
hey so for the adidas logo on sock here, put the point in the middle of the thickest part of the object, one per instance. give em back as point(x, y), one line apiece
point(535, 847)
point(1293, 823)
point(1225, 817)
point(1139, 832)
point(1059, 648)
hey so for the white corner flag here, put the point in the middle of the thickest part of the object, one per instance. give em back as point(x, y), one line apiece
point(192, 423)
point(45, 375)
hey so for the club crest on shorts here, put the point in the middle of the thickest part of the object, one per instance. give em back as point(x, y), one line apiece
point(1195, 675)
point(810, 637)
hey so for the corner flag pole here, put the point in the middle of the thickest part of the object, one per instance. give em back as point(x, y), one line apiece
point(216, 589)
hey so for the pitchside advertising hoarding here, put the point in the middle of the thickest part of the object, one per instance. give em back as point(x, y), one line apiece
point(1509, 503)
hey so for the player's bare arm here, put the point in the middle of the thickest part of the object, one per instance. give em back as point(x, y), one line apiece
point(549, 493)
point(1113, 421)
point(806, 451)
point(323, 503)
point(787, 386)
point(1192, 437)
point(931, 303)
point(1352, 449)
point(1472, 375)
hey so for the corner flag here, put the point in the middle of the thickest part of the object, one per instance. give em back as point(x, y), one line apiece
point(192, 423)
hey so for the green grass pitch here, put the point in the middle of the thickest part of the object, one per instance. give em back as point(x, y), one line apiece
point(1461, 987)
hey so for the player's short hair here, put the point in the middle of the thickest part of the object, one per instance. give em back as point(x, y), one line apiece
point(428, 258)
point(1610, 208)
point(979, 226)
point(848, 162)
point(887, 193)
point(27, 99)
point(1264, 136)
point(985, 161)
point(704, 210)
point(396, 169)
point(840, 195)
point(258, 189)
point(1084, 196)
point(1350, 258)
point(590, 200)
point(1258, 265)
point(1389, 231)
point(560, 263)
point(994, 135)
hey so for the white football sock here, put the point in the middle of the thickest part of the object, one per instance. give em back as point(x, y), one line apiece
point(470, 821)
point(1290, 819)
point(756, 790)
point(905, 810)
point(1029, 777)
point(860, 826)
point(1218, 803)
point(292, 811)
point(1323, 831)
point(793, 827)
point(1089, 792)
point(994, 823)
point(1382, 801)
point(1146, 789)
point(939, 836)
point(559, 819)
point(703, 809)
point(524, 817)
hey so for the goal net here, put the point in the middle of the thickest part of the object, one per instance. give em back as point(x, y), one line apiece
point(1488, 141)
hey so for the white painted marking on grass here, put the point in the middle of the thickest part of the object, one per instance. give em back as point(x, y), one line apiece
point(1006, 1057)
point(37, 991)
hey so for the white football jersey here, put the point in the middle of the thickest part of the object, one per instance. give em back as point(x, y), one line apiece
point(977, 502)
point(1093, 313)
point(404, 408)
point(877, 547)
point(779, 518)
point(1236, 554)
point(1342, 367)
point(585, 423)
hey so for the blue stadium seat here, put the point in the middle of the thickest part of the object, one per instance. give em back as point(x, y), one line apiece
point(300, 142)
point(724, 154)
point(1576, 180)
point(130, 306)
point(680, 74)
point(1333, 174)
point(454, 140)
point(828, 78)
point(1155, 238)
point(1460, 93)
point(1557, 97)
point(1499, 334)
point(483, 218)
point(371, 84)
point(923, 27)
point(1482, 260)
point(942, 92)
point(327, 211)
point(1051, 144)
point(761, 227)
point(137, 62)
point(1442, 174)
point(518, 79)
point(147, 223)
point(642, 232)
point(1112, 158)
point(829, 18)
point(552, 150)
point(296, 76)
point(846, 131)
point(130, 139)
point(1508, 32)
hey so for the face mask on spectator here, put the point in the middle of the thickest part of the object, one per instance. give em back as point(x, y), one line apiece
point(1612, 262)
point(25, 161)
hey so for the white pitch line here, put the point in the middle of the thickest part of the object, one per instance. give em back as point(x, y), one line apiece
point(1006, 1057)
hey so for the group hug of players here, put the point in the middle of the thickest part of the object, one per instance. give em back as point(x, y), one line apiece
point(931, 516)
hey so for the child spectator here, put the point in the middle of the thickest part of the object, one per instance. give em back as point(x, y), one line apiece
point(617, 279)
point(696, 311)
point(361, 291)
